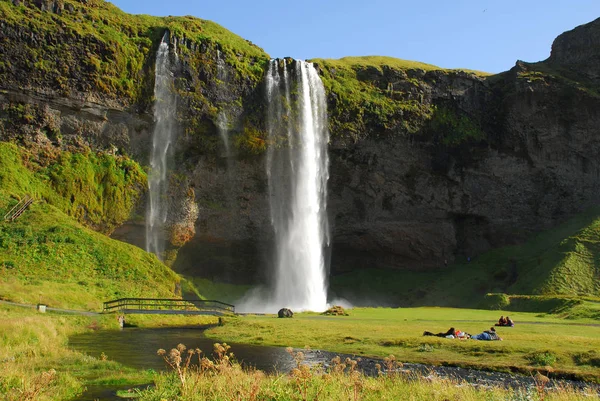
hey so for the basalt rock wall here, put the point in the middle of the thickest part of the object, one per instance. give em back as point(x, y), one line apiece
point(436, 165)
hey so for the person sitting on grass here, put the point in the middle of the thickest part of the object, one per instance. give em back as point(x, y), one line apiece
point(501, 321)
point(488, 335)
point(509, 322)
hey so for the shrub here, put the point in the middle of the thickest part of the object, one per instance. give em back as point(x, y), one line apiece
point(546, 358)
point(335, 310)
point(496, 301)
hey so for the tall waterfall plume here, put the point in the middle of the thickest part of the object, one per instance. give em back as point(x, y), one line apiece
point(297, 169)
point(162, 139)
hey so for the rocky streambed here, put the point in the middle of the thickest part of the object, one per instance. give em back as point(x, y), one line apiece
point(462, 376)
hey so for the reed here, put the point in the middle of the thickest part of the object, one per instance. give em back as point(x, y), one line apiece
point(194, 378)
point(36, 363)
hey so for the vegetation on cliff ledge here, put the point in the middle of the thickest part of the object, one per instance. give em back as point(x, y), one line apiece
point(98, 189)
point(379, 94)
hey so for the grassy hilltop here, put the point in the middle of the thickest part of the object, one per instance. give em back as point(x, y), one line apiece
point(103, 49)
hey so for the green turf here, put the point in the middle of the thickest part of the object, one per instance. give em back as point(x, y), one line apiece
point(568, 348)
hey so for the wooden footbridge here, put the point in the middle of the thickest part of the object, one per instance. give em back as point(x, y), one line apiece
point(168, 306)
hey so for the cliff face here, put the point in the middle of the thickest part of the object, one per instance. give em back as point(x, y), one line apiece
point(416, 201)
point(427, 164)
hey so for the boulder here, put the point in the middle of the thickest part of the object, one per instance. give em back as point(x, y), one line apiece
point(285, 312)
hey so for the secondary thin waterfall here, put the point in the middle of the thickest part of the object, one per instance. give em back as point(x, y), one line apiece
point(297, 169)
point(222, 120)
point(162, 138)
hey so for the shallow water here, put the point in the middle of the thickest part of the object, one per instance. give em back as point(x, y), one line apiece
point(137, 348)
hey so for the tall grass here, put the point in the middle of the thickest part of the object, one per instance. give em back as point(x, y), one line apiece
point(37, 365)
point(196, 377)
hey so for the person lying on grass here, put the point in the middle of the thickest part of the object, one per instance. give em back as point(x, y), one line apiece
point(488, 335)
point(451, 333)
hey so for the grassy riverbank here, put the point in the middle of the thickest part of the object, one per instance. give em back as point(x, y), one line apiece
point(537, 342)
point(37, 364)
point(196, 377)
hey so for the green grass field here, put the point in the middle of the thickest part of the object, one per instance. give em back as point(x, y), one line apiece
point(538, 341)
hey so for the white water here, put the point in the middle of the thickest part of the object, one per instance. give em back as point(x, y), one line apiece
point(222, 120)
point(162, 139)
point(297, 169)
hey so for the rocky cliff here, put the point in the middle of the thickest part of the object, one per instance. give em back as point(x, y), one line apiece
point(427, 164)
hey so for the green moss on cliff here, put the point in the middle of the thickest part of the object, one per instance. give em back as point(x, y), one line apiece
point(378, 94)
point(102, 49)
point(376, 62)
point(100, 190)
point(251, 140)
point(453, 128)
point(548, 74)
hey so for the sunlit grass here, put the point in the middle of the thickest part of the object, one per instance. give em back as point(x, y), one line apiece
point(36, 364)
point(391, 62)
point(378, 332)
point(193, 376)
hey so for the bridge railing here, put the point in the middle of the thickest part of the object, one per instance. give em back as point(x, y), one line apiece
point(158, 304)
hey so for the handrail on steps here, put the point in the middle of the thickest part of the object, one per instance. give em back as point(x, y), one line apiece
point(18, 209)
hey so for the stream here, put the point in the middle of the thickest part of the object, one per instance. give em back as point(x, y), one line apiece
point(137, 348)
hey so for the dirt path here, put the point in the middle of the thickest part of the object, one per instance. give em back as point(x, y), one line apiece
point(50, 309)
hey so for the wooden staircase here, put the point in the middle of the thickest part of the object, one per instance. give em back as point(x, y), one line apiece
point(18, 209)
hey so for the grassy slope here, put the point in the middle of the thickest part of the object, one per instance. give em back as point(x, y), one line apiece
point(563, 261)
point(47, 256)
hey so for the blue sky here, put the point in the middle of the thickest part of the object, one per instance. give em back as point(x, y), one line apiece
point(486, 35)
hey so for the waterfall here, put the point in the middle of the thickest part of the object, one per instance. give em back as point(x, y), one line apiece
point(162, 139)
point(222, 120)
point(297, 170)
